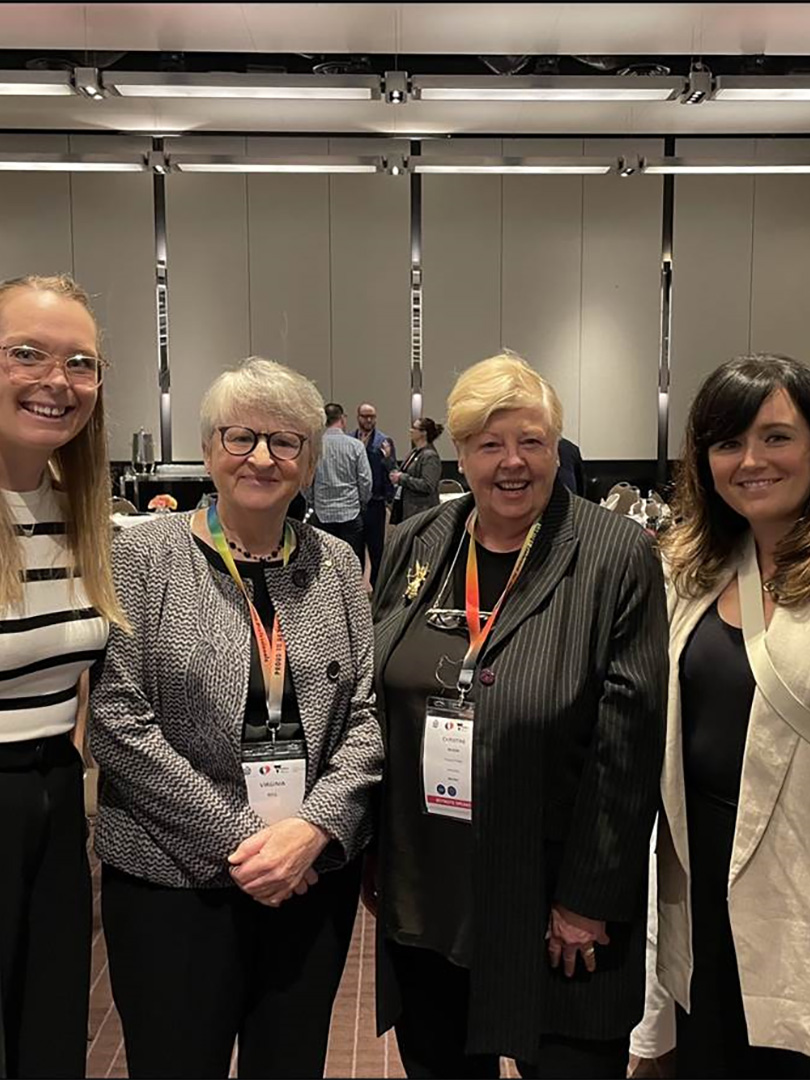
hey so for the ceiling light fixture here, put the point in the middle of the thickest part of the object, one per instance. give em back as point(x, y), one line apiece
point(515, 166)
point(763, 88)
point(36, 83)
point(86, 81)
point(546, 88)
point(225, 163)
point(709, 167)
point(280, 87)
point(71, 163)
point(395, 87)
point(699, 87)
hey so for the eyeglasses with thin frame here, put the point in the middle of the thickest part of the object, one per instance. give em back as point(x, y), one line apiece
point(441, 618)
point(25, 363)
point(281, 445)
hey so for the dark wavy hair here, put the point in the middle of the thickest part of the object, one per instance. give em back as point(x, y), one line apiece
point(707, 531)
point(431, 429)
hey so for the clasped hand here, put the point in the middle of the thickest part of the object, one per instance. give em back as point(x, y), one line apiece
point(275, 863)
point(569, 934)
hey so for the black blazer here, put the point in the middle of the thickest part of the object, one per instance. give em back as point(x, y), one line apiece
point(569, 737)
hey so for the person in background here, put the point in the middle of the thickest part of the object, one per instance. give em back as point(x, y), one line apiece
point(56, 600)
point(341, 487)
point(572, 468)
point(382, 491)
point(238, 747)
point(734, 833)
point(521, 687)
point(416, 481)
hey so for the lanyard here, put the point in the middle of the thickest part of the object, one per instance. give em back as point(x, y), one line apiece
point(272, 650)
point(479, 634)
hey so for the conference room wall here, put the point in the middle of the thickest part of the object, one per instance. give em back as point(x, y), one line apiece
point(99, 228)
point(738, 278)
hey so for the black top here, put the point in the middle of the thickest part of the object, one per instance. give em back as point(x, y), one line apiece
point(717, 689)
point(427, 871)
point(255, 725)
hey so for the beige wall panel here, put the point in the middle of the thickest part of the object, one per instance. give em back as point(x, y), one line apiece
point(289, 273)
point(114, 257)
point(370, 271)
point(209, 323)
point(542, 280)
point(35, 233)
point(461, 259)
point(711, 275)
point(780, 313)
point(621, 264)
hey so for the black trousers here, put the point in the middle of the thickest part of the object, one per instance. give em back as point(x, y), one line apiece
point(432, 1029)
point(192, 969)
point(351, 532)
point(374, 523)
point(712, 1040)
point(45, 909)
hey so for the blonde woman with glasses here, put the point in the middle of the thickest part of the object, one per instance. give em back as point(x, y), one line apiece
point(521, 677)
point(56, 600)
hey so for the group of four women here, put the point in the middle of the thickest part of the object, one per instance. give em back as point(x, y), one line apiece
point(484, 748)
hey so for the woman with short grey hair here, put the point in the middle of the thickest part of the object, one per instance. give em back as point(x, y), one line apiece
point(238, 751)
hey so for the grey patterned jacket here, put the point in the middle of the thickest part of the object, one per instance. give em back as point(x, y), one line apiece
point(167, 711)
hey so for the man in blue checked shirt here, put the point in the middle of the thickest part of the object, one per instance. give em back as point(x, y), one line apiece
point(342, 484)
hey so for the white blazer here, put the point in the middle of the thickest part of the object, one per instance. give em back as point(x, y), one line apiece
point(769, 876)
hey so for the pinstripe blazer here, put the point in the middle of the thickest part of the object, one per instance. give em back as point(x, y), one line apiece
point(567, 758)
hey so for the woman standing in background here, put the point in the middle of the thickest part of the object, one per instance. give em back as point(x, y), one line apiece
point(417, 481)
point(56, 598)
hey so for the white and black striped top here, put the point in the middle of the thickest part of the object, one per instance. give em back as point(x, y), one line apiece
point(54, 635)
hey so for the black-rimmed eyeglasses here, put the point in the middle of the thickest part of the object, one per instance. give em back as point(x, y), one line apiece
point(281, 445)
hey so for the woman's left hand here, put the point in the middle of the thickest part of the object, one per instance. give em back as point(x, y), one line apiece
point(395, 475)
point(271, 864)
point(569, 934)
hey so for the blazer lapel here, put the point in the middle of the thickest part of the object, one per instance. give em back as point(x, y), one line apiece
point(432, 550)
point(548, 561)
point(771, 742)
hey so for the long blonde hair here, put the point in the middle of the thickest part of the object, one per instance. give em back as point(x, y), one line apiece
point(81, 470)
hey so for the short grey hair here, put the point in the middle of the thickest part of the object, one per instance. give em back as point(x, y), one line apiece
point(264, 386)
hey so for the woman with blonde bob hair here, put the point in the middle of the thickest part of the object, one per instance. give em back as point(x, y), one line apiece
point(56, 600)
point(238, 747)
point(733, 849)
point(520, 674)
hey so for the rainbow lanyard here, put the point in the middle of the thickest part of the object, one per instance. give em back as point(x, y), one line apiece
point(272, 650)
point(479, 634)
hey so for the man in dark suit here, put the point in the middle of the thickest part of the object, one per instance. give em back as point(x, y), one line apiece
point(572, 468)
point(382, 490)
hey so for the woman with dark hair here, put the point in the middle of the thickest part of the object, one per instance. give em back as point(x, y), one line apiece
point(417, 480)
point(734, 843)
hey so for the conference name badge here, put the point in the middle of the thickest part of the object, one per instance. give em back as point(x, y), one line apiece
point(275, 777)
point(447, 754)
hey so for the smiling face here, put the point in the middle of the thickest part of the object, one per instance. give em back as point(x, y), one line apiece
point(366, 418)
point(764, 473)
point(37, 418)
point(257, 482)
point(511, 465)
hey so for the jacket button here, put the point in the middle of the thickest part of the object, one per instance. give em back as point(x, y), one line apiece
point(333, 670)
point(299, 578)
point(487, 676)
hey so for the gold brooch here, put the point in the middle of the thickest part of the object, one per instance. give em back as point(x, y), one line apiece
point(416, 579)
